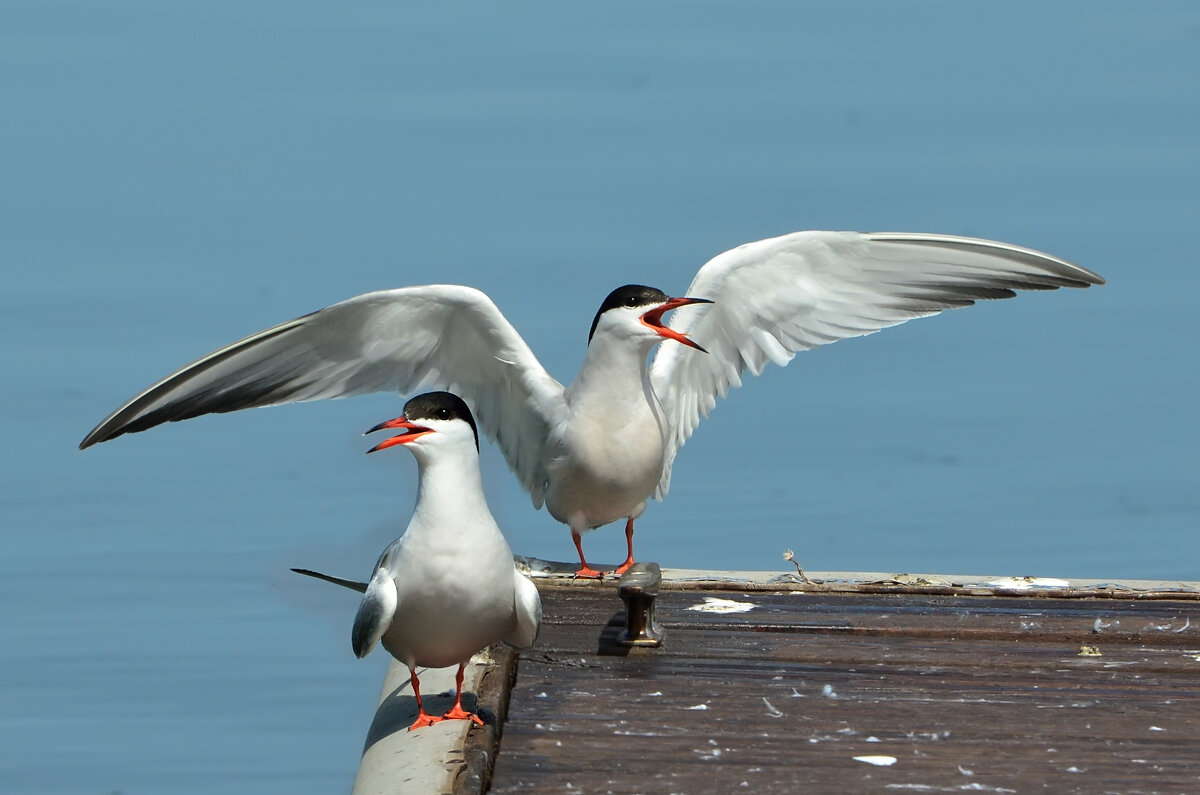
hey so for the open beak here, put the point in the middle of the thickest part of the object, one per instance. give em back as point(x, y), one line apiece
point(654, 320)
point(411, 432)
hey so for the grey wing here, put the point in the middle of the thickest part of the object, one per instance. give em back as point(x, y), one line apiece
point(773, 298)
point(442, 336)
point(528, 606)
point(375, 613)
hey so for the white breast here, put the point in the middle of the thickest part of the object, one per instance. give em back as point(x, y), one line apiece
point(608, 461)
point(450, 604)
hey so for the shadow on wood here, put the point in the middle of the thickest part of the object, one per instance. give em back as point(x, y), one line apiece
point(398, 711)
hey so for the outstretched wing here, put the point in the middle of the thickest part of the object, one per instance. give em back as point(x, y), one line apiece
point(773, 298)
point(445, 336)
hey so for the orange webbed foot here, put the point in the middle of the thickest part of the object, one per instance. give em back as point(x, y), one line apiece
point(424, 719)
point(624, 567)
point(458, 713)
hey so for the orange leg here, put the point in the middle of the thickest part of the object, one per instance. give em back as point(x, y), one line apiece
point(624, 567)
point(457, 712)
point(423, 717)
point(585, 570)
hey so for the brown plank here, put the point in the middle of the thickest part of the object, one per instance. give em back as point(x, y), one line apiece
point(967, 693)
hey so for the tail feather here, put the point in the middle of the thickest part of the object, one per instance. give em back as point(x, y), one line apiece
point(353, 585)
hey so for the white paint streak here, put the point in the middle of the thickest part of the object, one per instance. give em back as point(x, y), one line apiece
point(1028, 583)
point(713, 604)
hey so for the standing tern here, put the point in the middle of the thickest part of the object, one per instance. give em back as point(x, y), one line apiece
point(447, 587)
point(593, 452)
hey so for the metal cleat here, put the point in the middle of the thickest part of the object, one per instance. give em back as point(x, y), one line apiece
point(637, 588)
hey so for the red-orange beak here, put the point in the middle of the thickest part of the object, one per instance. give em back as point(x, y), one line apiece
point(411, 432)
point(654, 320)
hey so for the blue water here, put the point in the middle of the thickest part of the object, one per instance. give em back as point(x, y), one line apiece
point(177, 175)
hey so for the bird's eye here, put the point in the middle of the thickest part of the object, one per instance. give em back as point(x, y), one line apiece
point(444, 414)
point(631, 301)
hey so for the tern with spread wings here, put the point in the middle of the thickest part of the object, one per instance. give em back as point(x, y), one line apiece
point(595, 451)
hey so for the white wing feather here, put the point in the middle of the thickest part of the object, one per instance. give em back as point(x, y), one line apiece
point(773, 298)
point(528, 608)
point(443, 336)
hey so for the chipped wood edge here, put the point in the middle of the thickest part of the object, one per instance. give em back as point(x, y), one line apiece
point(562, 574)
point(492, 693)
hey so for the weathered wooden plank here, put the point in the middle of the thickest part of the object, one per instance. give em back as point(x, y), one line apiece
point(965, 693)
point(491, 703)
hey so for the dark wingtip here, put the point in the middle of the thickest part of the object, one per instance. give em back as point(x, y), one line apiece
point(358, 641)
point(92, 438)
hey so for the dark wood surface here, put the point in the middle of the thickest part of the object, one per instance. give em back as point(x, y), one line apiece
point(992, 694)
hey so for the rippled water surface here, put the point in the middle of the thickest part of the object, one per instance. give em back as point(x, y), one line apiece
point(176, 176)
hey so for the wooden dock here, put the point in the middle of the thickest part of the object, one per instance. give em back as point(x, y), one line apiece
point(894, 685)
